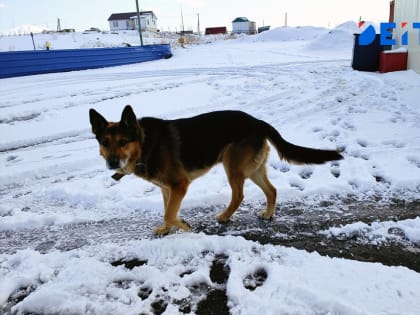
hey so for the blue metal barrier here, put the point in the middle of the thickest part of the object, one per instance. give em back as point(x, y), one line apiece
point(21, 63)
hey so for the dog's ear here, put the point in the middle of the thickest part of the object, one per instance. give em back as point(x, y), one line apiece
point(128, 118)
point(97, 121)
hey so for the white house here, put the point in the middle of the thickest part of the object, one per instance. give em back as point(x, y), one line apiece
point(408, 11)
point(128, 21)
point(243, 25)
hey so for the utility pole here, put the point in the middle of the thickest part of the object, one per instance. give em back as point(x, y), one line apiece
point(198, 24)
point(285, 19)
point(58, 25)
point(33, 42)
point(182, 21)
point(139, 22)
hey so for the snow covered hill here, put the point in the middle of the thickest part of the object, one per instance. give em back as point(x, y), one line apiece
point(297, 79)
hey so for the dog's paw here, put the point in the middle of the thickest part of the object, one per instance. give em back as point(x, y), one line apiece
point(185, 225)
point(265, 215)
point(166, 228)
point(162, 230)
point(222, 217)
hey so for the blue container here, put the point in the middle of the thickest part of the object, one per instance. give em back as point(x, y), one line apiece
point(21, 63)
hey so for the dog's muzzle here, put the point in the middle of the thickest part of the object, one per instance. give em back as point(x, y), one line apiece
point(113, 163)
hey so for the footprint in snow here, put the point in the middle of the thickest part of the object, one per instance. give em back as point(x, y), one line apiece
point(414, 160)
point(335, 169)
point(255, 280)
point(354, 185)
point(359, 155)
point(281, 166)
point(296, 184)
point(394, 143)
point(306, 172)
point(348, 126)
point(379, 176)
point(12, 158)
point(362, 143)
point(334, 122)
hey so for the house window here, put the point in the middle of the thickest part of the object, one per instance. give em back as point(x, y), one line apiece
point(128, 24)
point(115, 23)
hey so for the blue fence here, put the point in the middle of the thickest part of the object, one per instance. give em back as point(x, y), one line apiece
point(21, 63)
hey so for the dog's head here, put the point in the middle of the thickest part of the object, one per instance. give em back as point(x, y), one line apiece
point(119, 142)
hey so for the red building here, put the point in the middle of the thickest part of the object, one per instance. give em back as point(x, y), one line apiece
point(216, 30)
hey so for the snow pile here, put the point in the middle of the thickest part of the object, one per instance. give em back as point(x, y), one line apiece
point(379, 231)
point(339, 38)
point(175, 273)
point(300, 33)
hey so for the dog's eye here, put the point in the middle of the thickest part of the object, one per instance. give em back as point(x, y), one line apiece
point(122, 143)
point(105, 143)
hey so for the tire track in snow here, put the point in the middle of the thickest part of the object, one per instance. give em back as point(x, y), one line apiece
point(65, 138)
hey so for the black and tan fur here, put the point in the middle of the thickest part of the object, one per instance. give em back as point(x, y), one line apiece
point(172, 153)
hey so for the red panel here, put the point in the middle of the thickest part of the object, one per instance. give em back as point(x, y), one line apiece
point(216, 30)
point(392, 61)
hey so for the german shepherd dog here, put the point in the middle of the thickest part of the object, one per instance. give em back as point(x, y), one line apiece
point(172, 153)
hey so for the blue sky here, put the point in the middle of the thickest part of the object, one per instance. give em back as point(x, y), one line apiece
point(82, 14)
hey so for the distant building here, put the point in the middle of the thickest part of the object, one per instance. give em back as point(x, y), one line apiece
point(243, 25)
point(128, 21)
point(263, 28)
point(216, 30)
point(407, 11)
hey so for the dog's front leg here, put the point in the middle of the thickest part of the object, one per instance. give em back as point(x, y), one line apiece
point(165, 195)
point(172, 198)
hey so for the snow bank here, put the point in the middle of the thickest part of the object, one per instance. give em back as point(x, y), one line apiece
point(300, 33)
point(339, 38)
point(178, 270)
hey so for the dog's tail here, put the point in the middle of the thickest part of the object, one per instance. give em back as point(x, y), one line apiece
point(297, 154)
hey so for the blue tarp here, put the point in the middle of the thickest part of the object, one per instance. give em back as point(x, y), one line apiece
point(21, 63)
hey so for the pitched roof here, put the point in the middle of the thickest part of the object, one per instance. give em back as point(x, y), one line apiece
point(240, 19)
point(128, 15)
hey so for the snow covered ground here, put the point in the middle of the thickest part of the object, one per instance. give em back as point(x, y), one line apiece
point(297, 79)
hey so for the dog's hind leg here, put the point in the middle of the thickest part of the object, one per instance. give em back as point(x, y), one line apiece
point(261, 180)
point(174, 196)
point(247, 161)
point(237, 161)
point(236, 182)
